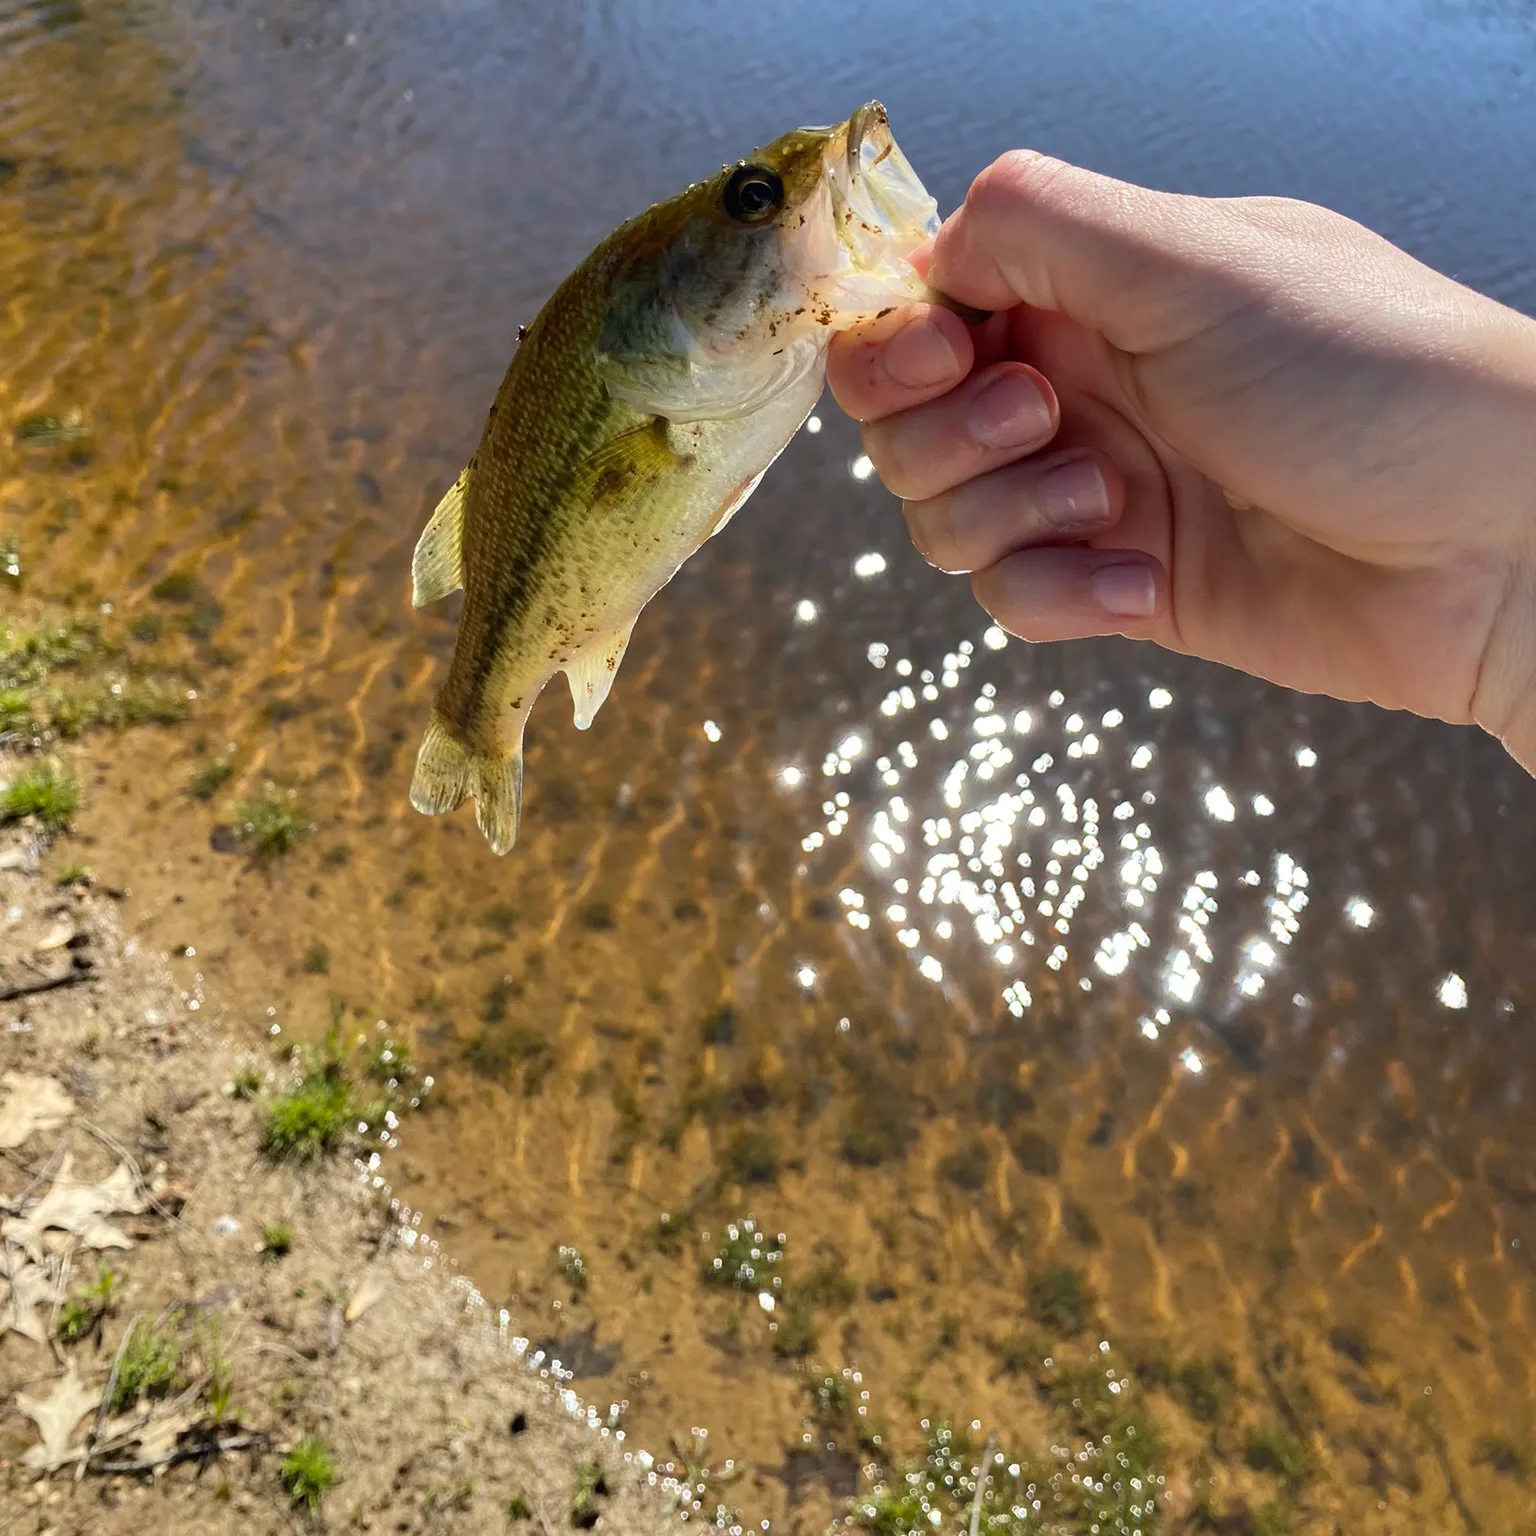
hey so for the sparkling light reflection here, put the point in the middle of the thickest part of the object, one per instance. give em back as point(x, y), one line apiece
point(998, 828)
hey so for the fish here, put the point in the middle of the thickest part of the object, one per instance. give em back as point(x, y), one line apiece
point(642, 407)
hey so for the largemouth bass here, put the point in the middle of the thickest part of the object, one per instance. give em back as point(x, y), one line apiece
point(641, 409)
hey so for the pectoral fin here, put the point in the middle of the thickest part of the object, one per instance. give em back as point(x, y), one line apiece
point(591, 674)
point(437, 567)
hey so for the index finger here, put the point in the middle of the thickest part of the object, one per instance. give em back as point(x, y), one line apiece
point(907, 357)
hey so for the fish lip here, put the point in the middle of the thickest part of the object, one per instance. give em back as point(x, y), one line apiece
point(869, 121)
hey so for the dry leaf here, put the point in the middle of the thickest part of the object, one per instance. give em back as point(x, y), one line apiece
point(32, 1104)
point(73, 1206)
point(370, 1290)
point(56, 1416)
point(28, 1289)
point(56, 938)
point(159, 1437)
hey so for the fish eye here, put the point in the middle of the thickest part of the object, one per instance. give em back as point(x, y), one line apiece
point(753, 194)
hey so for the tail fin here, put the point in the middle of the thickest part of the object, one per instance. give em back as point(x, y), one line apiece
point(446, 771)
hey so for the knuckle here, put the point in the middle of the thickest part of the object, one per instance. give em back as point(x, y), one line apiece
point(886, 446)
point(1026, 178)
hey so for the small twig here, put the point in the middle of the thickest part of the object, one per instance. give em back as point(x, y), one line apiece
point(106, 1397)
point(196, 1452)
point(32, 988)
point(982, 1478)
point(58, 1301)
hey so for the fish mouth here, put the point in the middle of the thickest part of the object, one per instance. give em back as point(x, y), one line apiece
point(880, 181)
point(881, 207)
point(870, 125)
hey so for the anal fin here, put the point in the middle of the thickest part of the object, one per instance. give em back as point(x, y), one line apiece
point(437, 567)
point(591, 674)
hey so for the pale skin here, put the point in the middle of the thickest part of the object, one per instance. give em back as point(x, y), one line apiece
point(1246, 429)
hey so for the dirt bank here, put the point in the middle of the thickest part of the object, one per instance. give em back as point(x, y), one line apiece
point(266, 1331)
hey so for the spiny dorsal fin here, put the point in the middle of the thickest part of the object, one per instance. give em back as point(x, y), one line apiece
point(437, 567)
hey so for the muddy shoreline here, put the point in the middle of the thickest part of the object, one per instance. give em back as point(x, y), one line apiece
point(301, 1304)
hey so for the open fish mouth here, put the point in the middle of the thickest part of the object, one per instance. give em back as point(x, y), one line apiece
point(882, 209)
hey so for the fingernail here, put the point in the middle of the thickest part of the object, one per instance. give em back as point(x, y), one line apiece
point(1126, 591)
point(919, 355)
point(1009, 413)
point(1073, 494)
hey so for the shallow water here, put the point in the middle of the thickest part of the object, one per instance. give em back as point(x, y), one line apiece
point(1268, 1087)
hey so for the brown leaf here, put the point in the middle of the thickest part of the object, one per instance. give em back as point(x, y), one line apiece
point(73, 1206)
point(56, 1416)
point(28, 1289)
point(32, 1104)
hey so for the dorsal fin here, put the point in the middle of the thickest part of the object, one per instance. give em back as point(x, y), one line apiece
point(437, 567)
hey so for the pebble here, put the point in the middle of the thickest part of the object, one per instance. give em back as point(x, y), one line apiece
point(56, 938)
point(225, 1226)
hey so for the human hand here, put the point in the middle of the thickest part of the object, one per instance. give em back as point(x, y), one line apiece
point(1246, 429)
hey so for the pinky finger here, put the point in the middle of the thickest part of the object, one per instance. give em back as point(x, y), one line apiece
point(1071, 594)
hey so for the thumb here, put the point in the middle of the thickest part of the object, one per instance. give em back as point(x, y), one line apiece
point(1145, 269)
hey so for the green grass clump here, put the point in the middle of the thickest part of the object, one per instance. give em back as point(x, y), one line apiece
point(1060, 1299)
point(1278, 1451)
point(178, 587)
point(517, 1507)
point(1273, 1519)
point(276, 1241)
point(15, 711)
point(308, 1471)
point(831, 1400)
point(1018, 1353)
point(666, 1233)
point(271, 826)
point(752, 1158)
point(309, 1120)
point(75, 874)
point(1202, 1387)
point(796, 1336)
point(210, 779)
point(83, 1313)
point(1100, 1471)
point(45, 792)
point(148, 1365)
point(494, 1053)
point(572, 1265)
point(76, 1320)
point(317, 959)
point(389, 1061)
point(899, 1509)
point(589, 1486)
point(51, 429)
point(747, 1260)
point(246, 1083)
point(829, 1286)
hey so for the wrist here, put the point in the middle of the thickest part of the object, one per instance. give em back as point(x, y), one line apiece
point(1505, 699)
